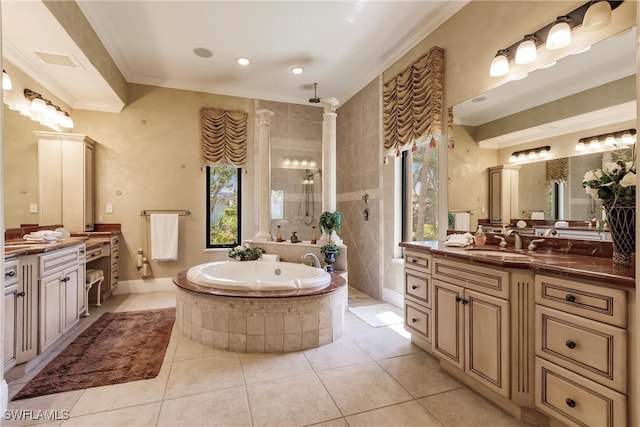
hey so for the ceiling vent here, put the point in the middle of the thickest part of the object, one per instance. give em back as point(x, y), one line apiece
point(57, 59)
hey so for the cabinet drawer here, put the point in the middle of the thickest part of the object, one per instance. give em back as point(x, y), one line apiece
point(59, 260)
point(417, 260)
point(593, 349)
point(594, 302)
point(114, 258)
point(416, 285)
point(489, 280)
point(10, 273)
point(114, 241)
point(418, 319)
point(575, 400)
point(114, 277)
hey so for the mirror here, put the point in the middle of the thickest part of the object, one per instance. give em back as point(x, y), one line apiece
point(553, 106)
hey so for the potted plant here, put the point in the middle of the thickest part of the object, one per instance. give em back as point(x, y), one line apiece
point(330, 252)
point(330, 222)
point(245, 253)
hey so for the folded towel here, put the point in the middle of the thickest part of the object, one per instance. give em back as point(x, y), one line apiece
point(270, 257)
point(459, 240)
point(462, 220)
point(537, 215)
point(47, 235)
point(164, 237)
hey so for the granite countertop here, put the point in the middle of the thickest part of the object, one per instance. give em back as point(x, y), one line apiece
point(17, 247)
point(578, 266)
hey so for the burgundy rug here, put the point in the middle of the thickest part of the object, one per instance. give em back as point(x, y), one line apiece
point(116, 348)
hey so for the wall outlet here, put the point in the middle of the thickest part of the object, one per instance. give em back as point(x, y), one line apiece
point(33, 208)
point(109, 208)
point(483, 209)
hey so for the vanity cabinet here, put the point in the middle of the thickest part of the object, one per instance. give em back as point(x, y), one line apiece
point(581, 342)
point(20, 311)
point(471, 321)
point(66, 180)
point(417, 297)
point(61, 293)
point(503, 194)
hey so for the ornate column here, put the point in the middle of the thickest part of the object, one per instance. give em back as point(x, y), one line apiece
point(264, 175)
point(329, 158)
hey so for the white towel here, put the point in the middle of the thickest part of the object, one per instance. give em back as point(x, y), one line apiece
point(537, 215)
point(459, 240)
point(164, 237)
point(462, 220)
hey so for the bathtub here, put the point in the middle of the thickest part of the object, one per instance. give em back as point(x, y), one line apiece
point(258, 275)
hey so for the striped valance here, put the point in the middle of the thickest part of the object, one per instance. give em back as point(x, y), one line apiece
point(223, 137)
point(412, 102)
point(557, 170)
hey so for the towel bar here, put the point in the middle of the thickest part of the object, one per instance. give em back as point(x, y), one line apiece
point(181, 212)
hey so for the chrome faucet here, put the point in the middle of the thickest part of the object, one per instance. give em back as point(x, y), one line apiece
point(518, 243)
point(550, 232)
point(532, 245)
point(314, 259)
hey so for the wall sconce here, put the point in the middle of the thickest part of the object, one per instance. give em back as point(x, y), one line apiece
point(556, 35)
point(529, 154)
point(617, 139)
point(6, 81)
point(46, 112)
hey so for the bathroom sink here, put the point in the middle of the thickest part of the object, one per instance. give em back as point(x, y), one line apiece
point(498, 254)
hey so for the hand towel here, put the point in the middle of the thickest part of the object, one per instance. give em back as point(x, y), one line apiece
point(537, 215)
point(462, 221)
point(459, 240)
point(164, 237)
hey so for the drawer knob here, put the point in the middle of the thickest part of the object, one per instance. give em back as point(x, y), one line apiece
point(414, 287)
point(570, 298)
point(465, 301)
point(414, 261)
point(570, 403)
point(10, 274)
point(414, 320)
point(570, 344)
point(21, 293)
point(458, 299)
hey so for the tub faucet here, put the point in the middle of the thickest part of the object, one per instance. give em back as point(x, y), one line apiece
point(314, 259)
point(518, 243)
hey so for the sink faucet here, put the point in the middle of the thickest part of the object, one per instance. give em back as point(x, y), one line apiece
point(532, 245)
point(516, 234)
point(550, 232)
point(314, 259)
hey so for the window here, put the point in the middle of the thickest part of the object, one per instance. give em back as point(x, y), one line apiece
point(223, 206)
point(420, 193)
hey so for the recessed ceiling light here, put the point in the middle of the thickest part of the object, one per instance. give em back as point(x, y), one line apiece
point(202, 52)
point(243, 61)
point(296, 70)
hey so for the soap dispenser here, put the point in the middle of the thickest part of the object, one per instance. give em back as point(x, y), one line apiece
point(479, 238)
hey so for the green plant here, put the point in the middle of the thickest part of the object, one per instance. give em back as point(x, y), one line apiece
point(330, 247)
point(330, 221)
point(245, 253)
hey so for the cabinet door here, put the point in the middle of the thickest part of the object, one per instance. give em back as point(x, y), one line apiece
point(487, 340)
point(50, 182)
point(448, 322)
point(73, 185)
point(51, 326)
point(89, 215)
point(9, 338)
point(71, 283)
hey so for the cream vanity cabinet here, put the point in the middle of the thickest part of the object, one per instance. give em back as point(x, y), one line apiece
point(417, 297)
point(503, 194)
point(20, 310)
point(581, 342)
point(66, 180)
point(114, 261)
point(61, 293)
point(471, 321)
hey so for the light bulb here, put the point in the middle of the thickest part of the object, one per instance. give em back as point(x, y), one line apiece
point(580, 146)
point(287, 162)
point(312, 164)
point(526, 52)
point(597, 16)
point(610, 141)
point(6, 81)
point(522, 157)
point(559, 35)
point(532, 155)
point(38, 105)
point(543, 153)
point(513, 158)
point(499, 64)
point(627, 138)
point(594, 143)
point(67, 122)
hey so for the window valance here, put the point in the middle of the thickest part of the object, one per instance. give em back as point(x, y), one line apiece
point(223, 137)
point(557, 170)
point(412, 102)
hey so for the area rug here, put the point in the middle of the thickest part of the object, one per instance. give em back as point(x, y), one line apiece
point(116, 348)
point(379, 314)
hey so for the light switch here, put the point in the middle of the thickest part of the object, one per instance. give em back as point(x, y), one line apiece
point(109, 208)
point(33, 208)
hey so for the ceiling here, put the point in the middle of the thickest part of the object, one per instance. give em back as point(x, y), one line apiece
point(342, 45)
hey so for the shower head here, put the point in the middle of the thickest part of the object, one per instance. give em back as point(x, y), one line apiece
point(315, 98)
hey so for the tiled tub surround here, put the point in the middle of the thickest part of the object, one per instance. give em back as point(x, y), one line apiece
point(293, 252)
point(259, 321)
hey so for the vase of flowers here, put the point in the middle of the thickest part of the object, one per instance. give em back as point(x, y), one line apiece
point(245, 253)
point(615, 187)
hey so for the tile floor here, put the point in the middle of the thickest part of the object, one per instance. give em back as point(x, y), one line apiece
point(370, 377)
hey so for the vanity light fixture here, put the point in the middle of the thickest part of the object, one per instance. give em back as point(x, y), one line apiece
point(44, 111)
point(611, 139)
point(529, 154)
point(527, 51)
point(6, 81)
point(299, 163)
point(500, 64)
point(560, 34)
point(597, 16)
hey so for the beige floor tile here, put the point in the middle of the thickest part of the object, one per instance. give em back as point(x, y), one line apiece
point(407, 414)
point(187, 349)
point(384, 342)
point(139, 416)
point(343, 352)
point(420, 374)
point(194, 376)
point(464, 408)
point(362, 387)
point(338, 422)
point(50, 402)
point(271, 366)
point(162, 300)
point(290, 401)
point(226, 407)
point(98, 399)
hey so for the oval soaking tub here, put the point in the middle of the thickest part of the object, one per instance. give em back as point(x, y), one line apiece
point(258, 275)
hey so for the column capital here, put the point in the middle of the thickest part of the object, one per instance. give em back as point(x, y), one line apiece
point(330, 104)
point(264, 116)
